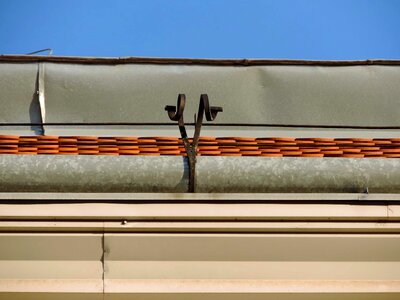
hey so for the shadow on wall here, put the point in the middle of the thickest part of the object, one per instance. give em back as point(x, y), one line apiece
point(184, 182)
point(34, 110)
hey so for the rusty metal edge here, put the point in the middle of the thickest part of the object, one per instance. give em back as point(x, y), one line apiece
point(5, 58)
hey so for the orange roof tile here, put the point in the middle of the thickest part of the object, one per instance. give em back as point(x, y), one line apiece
point(214, 146)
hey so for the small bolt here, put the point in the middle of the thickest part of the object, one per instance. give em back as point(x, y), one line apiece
point(124, 222)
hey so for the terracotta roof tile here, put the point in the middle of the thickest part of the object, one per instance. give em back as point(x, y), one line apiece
point(214, 146)
point(312, 155)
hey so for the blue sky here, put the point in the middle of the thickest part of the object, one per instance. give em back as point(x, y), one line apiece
point(307, 29)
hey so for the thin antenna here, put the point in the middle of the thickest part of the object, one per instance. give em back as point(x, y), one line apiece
point(43, 50)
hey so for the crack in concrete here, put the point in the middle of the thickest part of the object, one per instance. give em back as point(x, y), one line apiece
point(102, 261)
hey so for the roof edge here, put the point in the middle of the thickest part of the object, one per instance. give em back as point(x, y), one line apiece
point(189, 61)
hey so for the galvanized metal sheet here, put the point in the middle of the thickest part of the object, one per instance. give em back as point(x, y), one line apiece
point(325, 95)
point(62, 173)
point(210, 129)
point(353, 95)
point(297, 175)
point(19, 98)
point(59, 173)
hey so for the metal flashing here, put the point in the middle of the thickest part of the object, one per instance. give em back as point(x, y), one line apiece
point(192, 61)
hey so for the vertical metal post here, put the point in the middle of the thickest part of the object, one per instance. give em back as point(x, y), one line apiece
point(175, 113)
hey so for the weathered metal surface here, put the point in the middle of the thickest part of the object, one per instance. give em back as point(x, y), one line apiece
point(300, 175)
point(284, 92)
point(41, 173)
point(254, 95)
point(360, 95)
point(208, 130)
point(18, 96)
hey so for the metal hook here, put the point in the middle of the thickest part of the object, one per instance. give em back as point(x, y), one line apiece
point(175, 113)
point(210, 111)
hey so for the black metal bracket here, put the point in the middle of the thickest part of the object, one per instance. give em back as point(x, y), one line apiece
point(175, 113)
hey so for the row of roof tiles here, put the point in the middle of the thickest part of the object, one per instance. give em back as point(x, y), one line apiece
point(214, 146)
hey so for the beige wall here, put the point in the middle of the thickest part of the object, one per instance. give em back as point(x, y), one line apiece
point(149, 251)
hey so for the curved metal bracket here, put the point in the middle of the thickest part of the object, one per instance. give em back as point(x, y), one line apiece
point(210, 113)
point(175, 113)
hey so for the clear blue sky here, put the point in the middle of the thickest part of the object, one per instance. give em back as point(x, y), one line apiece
point(307, 29)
